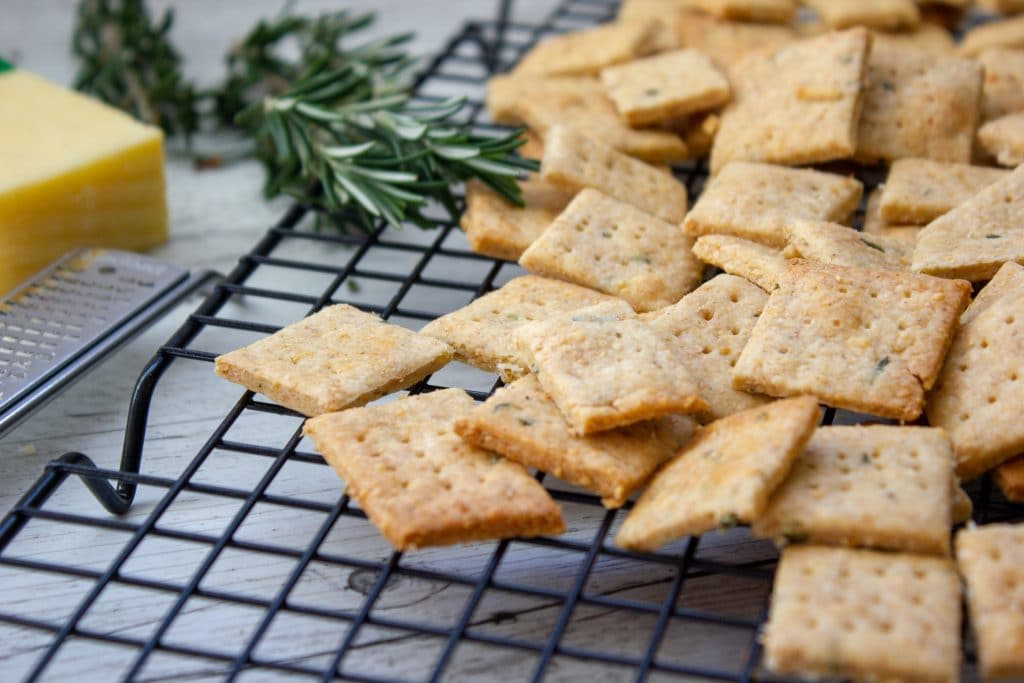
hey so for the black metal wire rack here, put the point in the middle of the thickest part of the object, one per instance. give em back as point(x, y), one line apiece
point(691, 611)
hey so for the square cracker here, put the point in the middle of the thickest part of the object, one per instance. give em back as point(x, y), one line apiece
point(874, 224)
point(334, 359)
point(864, 615)
point(420, 484)
point(866, 340)
point(723, 477)
point(603, 371)
point(917, 104)
point(843, 246)
point(671, 84)
point(991, 559)
point(756, 201)
point(711, 325)
point(981, 385)
point(501, 230)
point(1010, 478)
point(522, 423)
point(797, 105)
point(595, 115)
point(616, 248)
point(574, 161)
point(727, 41)
point(891, 15)
point(978, 236)
point(917, 191)
point(875, 486)
point(758, 263)
point(1003, 138)
point(1003, 90)
point(1005, 33)
point(769, 11)
point(482, 331)
point(585, 53)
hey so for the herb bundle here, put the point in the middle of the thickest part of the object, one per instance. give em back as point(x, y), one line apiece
point(333, 124)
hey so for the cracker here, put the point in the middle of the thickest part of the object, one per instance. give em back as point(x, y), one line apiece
point(798, 105)
point(963, 506)
point(1006, 33)
point(728, 41)
point(981, 386)
point(866, 340)
point(756, 201)
point(1010, 478)
point(884, 14)
point(991, 559)
point(864, 615)
point(918, 191)
point(843, 246)
point(874, 224)
point(522, 423)
point(616, 248)
point(508, 94)
point(711, 325)
point(595, 115)
point(662, 13)
point(420, 484)
point(533, 148)
point(1003, 89)
point(875, 486)
point(758, 263)
point(917, 104)
point(978, 236)
point(585, 53)
point(605, 372)
point(501, 230)
point(723, 477)
point(928, 37)
point(574, 161)
point(334, 359)
point(671, 84)
point(1003, 138)
point(1009, 279)
point(769, 11)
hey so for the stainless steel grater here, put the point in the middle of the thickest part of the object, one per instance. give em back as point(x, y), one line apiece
point(68, 316)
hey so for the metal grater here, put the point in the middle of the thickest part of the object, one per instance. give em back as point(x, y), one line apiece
point(68, 316)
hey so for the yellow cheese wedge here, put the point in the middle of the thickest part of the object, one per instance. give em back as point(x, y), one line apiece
point(73, 172)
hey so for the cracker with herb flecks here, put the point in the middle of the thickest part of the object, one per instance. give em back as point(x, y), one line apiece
point(501, 230)
point(1005, 33)
point(334, 359)
point(420, 484)
point(522, 423)
point(920, 105)
point(864, 615)
point(723, 477)
point(1003, 89)
point(1010, 478)
point(875, 486)
point(1003, 138)
point(866, 340)
point(978, 236)
point(982, 381)
point(711, 325)
point(482, 331)
point(728, 41)
point(756, 262)
point(843, 246)
point(574, 161)
point(671, 84)
point(756, 201)
point(891, 15)
point(797, 105)
point(991, 559)
point(616, 248)
point(917, 191)
point(1008, 280)
point(585, 53)
point(767, 11)
point(874, 224)
point(605, 371)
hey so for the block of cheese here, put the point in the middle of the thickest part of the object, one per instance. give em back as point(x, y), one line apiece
point(73, 172)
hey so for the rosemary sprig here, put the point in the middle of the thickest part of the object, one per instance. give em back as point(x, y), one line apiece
point(128, 61)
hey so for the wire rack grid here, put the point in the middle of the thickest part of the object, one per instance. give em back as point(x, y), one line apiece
point(552, 608)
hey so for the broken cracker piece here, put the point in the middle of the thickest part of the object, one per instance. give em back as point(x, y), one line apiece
point(1003, 138)
point(843, 246)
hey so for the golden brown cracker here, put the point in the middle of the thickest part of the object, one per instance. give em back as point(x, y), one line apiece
point(501, 230)
point(756, 262)
point(917, 191)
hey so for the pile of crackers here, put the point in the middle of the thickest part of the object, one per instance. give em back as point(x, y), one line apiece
point(630, 373)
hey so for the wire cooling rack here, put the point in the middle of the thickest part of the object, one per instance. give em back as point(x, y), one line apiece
point(322, 597)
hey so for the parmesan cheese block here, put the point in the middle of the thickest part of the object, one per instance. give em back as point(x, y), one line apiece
point(73, 172)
